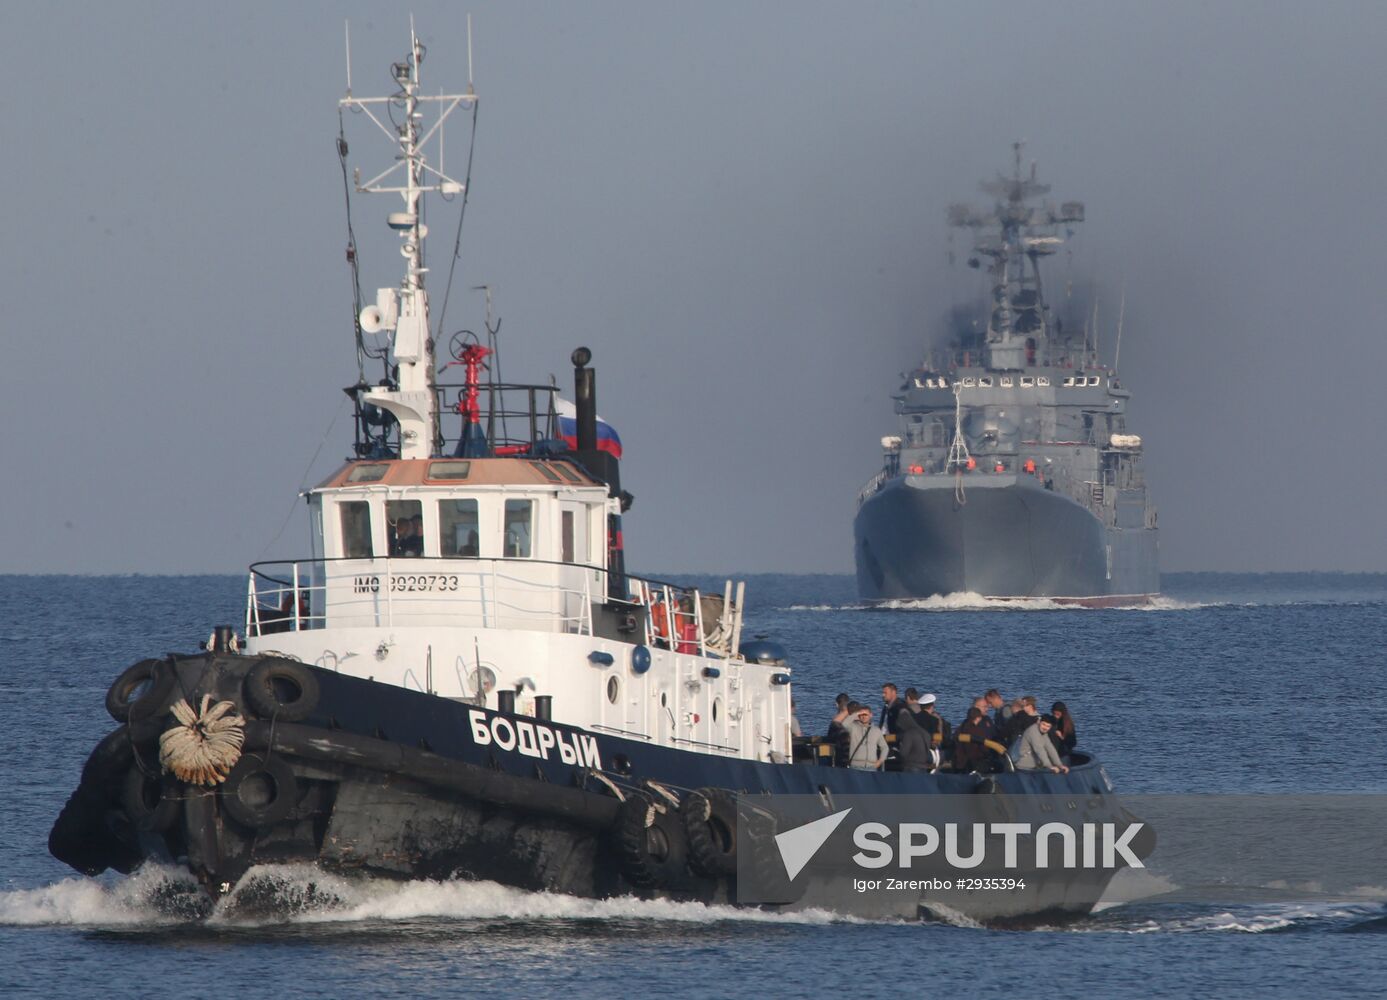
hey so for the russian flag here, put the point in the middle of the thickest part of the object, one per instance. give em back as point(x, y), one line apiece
point(607, 438)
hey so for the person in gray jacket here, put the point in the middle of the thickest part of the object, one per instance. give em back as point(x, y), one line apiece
point(866, 744)
point(1034, 751)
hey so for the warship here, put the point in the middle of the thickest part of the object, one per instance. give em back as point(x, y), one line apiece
point(1014, 475)
point(462, 680)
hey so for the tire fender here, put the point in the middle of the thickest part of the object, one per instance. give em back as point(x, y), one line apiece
point(140, 697)
point(260, 790)
point(281, 689)
point(710, 822)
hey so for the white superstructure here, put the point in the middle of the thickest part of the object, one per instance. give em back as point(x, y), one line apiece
point(496, 579)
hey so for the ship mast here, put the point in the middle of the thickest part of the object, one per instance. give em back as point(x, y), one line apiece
point(410, 397)
point(1013, 235)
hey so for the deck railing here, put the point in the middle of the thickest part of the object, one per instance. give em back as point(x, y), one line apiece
point(531, 594)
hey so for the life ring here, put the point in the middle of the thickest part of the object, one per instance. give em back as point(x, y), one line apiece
point(149, 800)
point(650, 842)
point(281, 689)
point(140, 697)
point(710, 821)
point(260, 791)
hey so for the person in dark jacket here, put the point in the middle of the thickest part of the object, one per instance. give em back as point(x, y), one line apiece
point(836, 733)
point(1063, 734)
point(912, 744)
point(972, 755)
point(985, 720)
point(891, 704)
point(1022, 718)
point(1001, 711)
point(939, 730)
point(933, 721)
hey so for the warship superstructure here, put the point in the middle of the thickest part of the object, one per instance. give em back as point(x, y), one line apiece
point(1014, 474)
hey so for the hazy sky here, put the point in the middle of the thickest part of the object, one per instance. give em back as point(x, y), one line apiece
point(738, 207)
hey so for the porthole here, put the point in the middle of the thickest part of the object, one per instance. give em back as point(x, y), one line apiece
point(717, 708)
point(613, 689)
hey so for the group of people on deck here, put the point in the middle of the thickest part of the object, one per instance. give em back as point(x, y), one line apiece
point(924, 740)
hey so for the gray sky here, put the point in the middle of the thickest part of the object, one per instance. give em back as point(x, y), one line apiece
point(738, 207)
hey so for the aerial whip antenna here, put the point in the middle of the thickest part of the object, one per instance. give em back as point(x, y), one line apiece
point(1095, 329)
point(469, 54)
point(348, 26)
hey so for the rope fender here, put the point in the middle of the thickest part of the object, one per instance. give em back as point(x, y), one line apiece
point(204, 749)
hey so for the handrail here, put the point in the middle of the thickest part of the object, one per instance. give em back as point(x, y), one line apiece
point(292, 600)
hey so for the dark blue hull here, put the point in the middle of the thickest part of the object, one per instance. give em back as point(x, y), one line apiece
point(396, 782)
point(1002, 539)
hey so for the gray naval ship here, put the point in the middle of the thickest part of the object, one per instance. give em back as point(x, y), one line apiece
point(1014, 475)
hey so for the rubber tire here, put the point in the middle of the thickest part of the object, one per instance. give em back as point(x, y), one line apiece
point(257, 767)
point(108, 762)
point(268, 680)
point(82, 839)
point(774, 885)
point(134, 798)
point(650, 843)
point(145, 714)
point(710, 822)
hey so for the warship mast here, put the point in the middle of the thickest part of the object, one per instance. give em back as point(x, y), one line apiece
point(1014, 234)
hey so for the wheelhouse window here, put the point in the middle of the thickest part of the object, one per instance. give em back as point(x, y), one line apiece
point(568, 553)
point(404, 520)
point(355, 516)
point(372, 473)
point(449, 470)
point(458, 532)
point(519, 522)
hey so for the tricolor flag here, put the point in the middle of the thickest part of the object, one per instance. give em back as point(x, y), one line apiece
point(607, 438)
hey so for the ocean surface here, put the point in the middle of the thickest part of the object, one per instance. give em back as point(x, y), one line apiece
point(1230, 683)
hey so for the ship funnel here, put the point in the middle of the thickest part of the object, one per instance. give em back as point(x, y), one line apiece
point(585, 396)
point(600, 463)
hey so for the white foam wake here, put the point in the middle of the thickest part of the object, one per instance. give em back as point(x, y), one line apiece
point(136, 901)
point(88, 902)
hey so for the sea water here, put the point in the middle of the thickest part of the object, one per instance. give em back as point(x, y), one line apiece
point(1229, 683)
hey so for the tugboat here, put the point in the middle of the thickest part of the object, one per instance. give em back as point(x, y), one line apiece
point(1014, 475)
point(462, 680)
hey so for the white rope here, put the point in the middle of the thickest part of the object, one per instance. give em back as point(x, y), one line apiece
point(611, 785)
point(204, 749)
point(663, 792)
